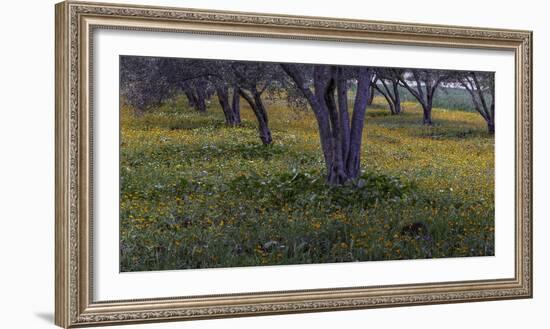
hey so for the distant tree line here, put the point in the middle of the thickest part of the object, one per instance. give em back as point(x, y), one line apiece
point(325, 89)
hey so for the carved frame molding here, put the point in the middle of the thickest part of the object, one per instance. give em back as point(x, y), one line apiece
point(75, 23)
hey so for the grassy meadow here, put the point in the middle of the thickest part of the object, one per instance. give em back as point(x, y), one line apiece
point(197, 194)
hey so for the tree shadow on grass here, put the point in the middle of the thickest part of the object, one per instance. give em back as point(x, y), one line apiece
point(182, 124)
point(175, 153)
point(451, 134)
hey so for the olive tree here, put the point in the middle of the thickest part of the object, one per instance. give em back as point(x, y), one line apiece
point(386, 82)
point(423, 85)
point(326, 87)
point(481, 87)
point(252, 80)
point(190, 77)
point(142, 82)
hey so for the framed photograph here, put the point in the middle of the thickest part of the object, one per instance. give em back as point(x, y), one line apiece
point(217, 164)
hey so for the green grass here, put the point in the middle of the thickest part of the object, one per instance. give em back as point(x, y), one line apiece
point(197, 194)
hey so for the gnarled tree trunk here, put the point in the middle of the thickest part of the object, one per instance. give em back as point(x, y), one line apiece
point(231, 110)
point(475, 87)
point(196, 97)
point(427, 115)
point(396, 98)
point(340, 135)
point(425, 86)
point(236, 105)
point(190, 96)
point(391, 95)
point(254, 99)
point(371, 95)
point(427, 111)
point(200, 100)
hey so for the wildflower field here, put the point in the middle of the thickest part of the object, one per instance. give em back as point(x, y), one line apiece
point(195, 193)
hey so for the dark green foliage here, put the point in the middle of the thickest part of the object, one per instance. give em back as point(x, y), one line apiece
point(308, 189)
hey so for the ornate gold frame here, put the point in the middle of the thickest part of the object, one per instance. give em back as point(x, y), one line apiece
point(76, 21)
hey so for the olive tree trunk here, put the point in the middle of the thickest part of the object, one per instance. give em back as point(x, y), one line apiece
point(231, 110)
point(254, 99)
point(340, 135)
point(196, 98)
